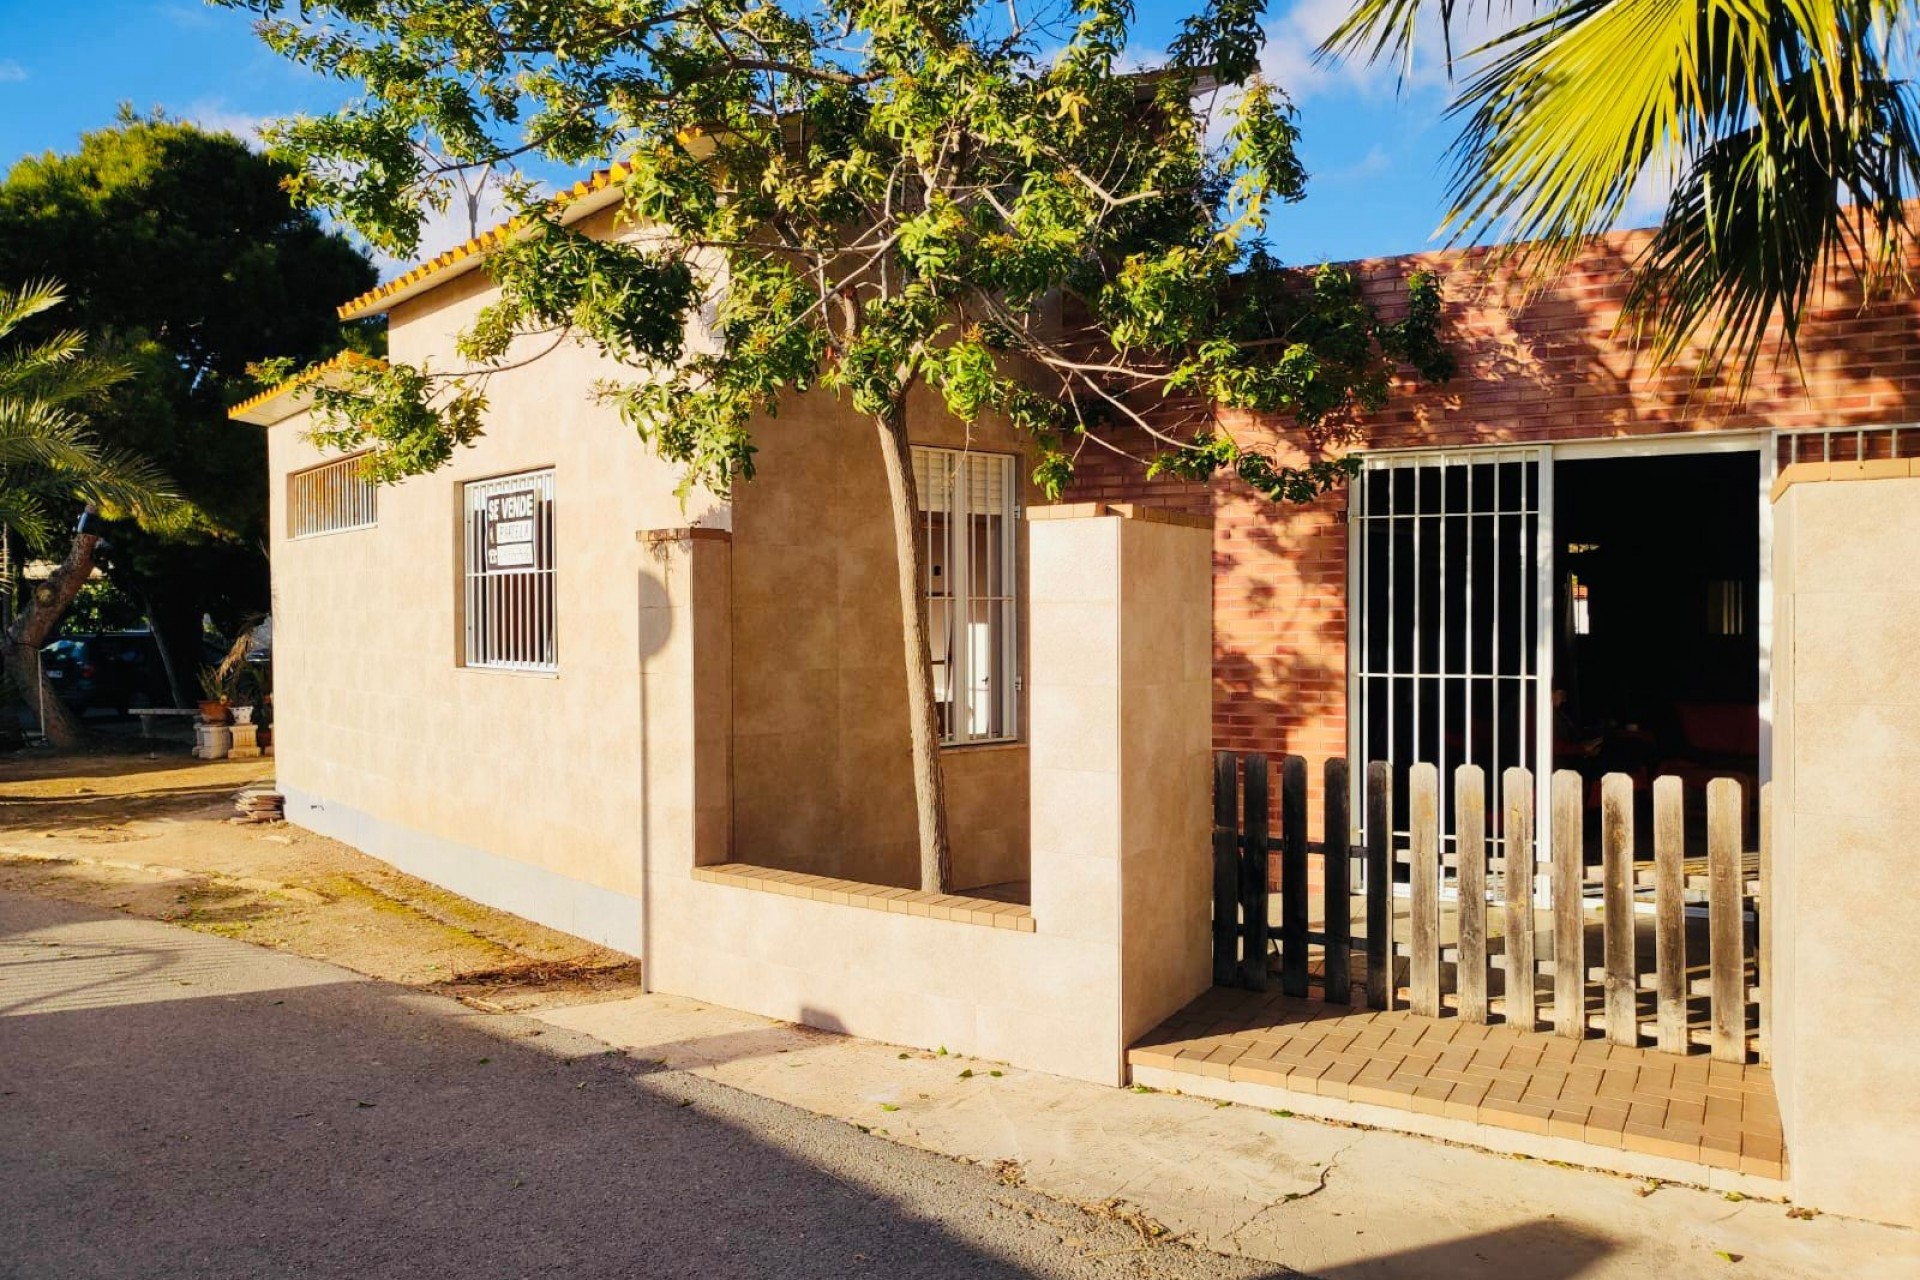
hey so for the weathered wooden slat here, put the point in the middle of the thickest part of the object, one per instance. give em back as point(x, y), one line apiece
point(1253, 876)
point(1569, 872)
point(1516, 787)
point(1724, 933)
point(1470, 854)
point(1669, 913)
point(1294, 901)
point(1616, 896)
point(1423, 946)
point(1380, 984)
point(1226, 869)
point(1337, 875)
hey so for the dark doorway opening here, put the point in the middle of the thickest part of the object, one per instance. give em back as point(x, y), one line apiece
point(1657, 619)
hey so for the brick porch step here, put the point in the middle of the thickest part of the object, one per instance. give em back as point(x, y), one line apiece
point(1633, 1110)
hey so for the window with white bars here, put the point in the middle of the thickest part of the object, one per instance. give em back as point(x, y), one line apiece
point(331, 498)
point(508, 574)
point(969, 509)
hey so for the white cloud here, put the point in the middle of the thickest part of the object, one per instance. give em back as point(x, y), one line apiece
point(215, 117)
point(11, 72)
point(1293, 37)
point(441, 231)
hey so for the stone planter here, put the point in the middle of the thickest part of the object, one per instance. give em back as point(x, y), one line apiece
point(212, 741)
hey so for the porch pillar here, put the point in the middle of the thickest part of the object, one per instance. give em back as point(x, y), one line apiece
point(1844, 886)
point(686, 690)
point(1120, 690)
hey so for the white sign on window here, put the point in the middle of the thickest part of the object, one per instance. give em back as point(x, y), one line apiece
point(508, 518)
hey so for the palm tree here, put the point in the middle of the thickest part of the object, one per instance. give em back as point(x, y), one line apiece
point(49, 463)
point(1781, 128)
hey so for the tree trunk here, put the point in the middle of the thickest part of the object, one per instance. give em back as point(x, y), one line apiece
point(929, 787)
point(43, 611)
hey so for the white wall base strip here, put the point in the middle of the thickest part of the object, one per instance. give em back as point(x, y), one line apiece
point(545, 897)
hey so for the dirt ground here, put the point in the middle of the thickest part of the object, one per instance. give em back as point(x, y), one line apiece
point(146, 830)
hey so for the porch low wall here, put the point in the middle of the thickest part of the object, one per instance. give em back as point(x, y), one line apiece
point(1119, 736)
point(1845, 885)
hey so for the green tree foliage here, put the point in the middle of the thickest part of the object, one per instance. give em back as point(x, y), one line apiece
point(863, 196)
point(188, 260)
point(50, 462)
point(1785, 132)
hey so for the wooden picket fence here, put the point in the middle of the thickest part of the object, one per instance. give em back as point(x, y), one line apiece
point(1520, 949)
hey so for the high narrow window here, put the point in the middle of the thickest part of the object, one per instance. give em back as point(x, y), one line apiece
point(331, 498)
point(508, 577)
point(968, 508)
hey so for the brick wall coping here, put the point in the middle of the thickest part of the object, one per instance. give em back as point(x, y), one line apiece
point(689, 533)
point(873, 897)
point(1124, 510)
point(1871, 469)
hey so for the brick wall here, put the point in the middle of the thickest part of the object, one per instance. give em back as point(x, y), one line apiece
point(1534, 369)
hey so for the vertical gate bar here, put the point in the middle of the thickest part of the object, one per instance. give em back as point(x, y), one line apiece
point(1254, 874)
point(1517, 884)
point(1226, 868)
point(1669, 913)
point(1567, 875)
point(1544, 590)
point(1336, 866)
point(1380, 984)
point(1294, 902)
point(1726, 959)
point(1470, 852)
point(1413, 681)
point(1423, 946)
point(1391, 745)
point(1622, 981)
point(1440, 677)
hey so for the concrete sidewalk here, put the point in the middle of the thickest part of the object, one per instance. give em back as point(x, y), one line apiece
point(174, 1105)
point(1323, 1199)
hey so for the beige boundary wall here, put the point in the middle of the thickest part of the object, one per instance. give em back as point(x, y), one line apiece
point(1119, 737)
point(1844, 908)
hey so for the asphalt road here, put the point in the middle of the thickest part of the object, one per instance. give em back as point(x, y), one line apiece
point(176, 1105)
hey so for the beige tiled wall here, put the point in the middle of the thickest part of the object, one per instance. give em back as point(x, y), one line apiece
point(1119, 738)
point(517, 789)
point(821, 773)
point(1846, 868)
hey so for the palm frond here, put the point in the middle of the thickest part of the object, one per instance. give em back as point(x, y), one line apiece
point(23, 511)
point(17, 306)
point(1788, 144)
point(34, 433)
point(122, 482)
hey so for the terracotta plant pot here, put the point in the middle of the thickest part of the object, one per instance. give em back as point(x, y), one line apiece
point(215, 712)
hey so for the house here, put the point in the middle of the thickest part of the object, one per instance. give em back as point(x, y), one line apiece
point(677, 726)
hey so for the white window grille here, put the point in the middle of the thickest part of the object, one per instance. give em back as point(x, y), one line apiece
point(508, 577)
point(331, 498)
point(969, 512)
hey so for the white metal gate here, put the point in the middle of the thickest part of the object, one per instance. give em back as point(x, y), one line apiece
point(1450, 627)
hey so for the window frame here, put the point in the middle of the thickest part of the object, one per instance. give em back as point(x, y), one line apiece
point(953, 661)
point(363, 510)
point(532, 616)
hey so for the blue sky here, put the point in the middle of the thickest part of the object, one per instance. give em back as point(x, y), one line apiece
point(1376, 155)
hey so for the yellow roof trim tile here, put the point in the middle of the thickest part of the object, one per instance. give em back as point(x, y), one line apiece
point(581, 199)
point(277, 404)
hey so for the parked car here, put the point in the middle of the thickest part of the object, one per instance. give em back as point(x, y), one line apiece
point(111, 671)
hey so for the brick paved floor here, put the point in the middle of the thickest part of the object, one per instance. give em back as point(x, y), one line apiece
point(1719, 1114)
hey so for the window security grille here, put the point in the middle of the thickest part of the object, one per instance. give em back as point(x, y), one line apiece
point(331, 498)
point(508, 573)
point(969, 509)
